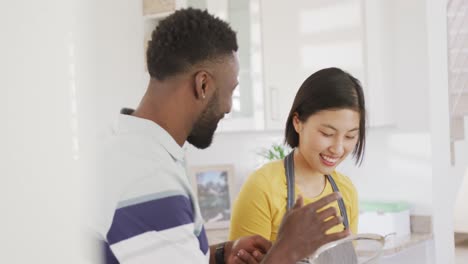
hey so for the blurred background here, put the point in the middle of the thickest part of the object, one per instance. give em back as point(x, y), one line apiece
point(68, 66)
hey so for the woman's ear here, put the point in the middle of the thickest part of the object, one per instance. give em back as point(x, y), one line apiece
point(297, 123)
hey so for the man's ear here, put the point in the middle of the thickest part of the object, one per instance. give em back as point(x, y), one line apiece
point(201, 84)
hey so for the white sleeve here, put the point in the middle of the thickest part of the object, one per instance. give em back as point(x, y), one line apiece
point(175, 245)
point(156, 230)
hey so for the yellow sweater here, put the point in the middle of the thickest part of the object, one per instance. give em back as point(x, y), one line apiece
point(261, 203)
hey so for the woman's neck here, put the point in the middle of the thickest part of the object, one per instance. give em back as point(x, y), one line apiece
point(310, 181)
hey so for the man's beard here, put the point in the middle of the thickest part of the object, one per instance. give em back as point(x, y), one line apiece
point(204, 128)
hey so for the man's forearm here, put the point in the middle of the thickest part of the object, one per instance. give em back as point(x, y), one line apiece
point(279, 254)
point(212, 253)
point(226, 248)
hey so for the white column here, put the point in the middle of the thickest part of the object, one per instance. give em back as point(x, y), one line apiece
point(443, 189)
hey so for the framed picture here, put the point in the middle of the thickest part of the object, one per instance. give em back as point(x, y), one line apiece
point(213, 186)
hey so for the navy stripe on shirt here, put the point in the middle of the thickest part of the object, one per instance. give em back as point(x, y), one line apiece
point(155, 215)
point(107, 256)
point(203, 241)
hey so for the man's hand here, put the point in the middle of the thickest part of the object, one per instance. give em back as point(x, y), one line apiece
point(303, 229)
point(250, 250)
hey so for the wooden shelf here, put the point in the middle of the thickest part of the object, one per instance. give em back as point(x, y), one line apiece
point(157, 16)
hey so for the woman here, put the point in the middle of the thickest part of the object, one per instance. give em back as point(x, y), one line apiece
point(325, 124)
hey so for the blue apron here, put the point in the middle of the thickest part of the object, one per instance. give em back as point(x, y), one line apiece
point(289, 168)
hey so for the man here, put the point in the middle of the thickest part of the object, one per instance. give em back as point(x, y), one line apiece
point(149, 214)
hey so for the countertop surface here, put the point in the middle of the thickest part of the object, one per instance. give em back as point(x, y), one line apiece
point(394, 245)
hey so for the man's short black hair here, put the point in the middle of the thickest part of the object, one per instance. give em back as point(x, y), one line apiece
point(187, 37)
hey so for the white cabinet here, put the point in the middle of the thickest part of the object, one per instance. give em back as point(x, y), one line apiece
point(247, 112)
point(281, 44)
point(281, 57)
point(302, 37)
point(378, 58)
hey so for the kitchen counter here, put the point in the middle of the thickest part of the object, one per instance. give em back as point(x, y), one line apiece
point(395, 245)
point(416, 248)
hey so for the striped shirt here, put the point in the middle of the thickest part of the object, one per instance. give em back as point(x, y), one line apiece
point(147, 210)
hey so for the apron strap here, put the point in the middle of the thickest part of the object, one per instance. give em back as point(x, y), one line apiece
point(341, 204)
point(289, 169)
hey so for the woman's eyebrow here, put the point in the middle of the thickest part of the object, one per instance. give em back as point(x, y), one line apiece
point(332, 127)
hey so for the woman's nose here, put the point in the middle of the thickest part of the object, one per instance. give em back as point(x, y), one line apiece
point(337, 148)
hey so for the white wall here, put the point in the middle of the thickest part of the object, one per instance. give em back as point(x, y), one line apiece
point(40, 186)
point(111, 75)
point(67, 66)
point(397, 167)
